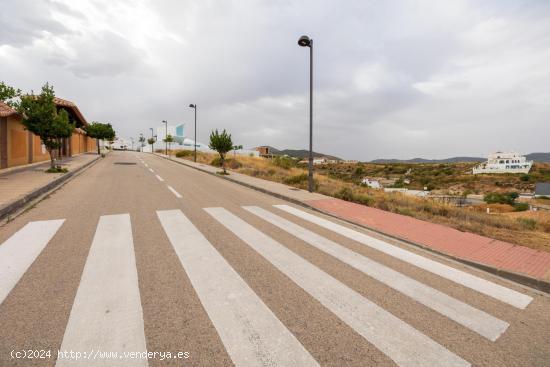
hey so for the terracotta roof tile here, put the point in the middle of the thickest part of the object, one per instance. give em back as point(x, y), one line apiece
point(6, 110)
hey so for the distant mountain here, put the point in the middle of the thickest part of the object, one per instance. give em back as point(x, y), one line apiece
point(298, 153)
point(422, 160)
point(303, 153)
point(537, 157)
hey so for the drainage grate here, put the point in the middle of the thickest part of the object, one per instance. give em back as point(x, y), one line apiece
point(126, 163)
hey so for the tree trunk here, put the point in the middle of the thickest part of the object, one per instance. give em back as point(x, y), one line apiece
point(223, 163)
point(98, 152)
point(52, 163)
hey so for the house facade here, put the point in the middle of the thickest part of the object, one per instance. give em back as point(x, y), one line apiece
point(19, 146)
point(504, 162)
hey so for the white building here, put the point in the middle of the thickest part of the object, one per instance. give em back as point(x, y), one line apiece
point(375, 184)
point(504, 162)
point(120, 144)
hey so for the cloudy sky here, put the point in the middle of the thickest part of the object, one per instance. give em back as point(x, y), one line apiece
point(393, 79)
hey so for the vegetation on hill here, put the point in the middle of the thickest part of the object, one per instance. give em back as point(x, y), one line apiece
point(449, 178)
point(526, 228)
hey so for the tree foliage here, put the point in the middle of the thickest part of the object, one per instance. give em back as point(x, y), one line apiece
point(8, 94)
point(40, 116)
point(169, 139)
point(99, 131)
point(221, 143)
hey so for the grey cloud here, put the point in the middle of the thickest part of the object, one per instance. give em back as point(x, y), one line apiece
point(104, 54)
point(424, 78)
point(22, 21)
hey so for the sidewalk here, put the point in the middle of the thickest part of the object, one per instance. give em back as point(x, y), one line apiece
point(22, 185)
point(515, 262)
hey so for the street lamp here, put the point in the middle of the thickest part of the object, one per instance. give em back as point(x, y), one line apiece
point(194, 106)
point(166, 137)
point(305, 41)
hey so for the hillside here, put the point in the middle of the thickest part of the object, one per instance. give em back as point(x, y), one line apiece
point(422, 160)
point(537, 157)
point(299, 153)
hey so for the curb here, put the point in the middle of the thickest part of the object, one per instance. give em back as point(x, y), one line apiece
point(539, 284)
point(22, 202)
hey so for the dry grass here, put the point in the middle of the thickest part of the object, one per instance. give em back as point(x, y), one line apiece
point(530, 229)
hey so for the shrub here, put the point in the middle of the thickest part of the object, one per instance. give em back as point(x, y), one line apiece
point(284, 162)
point(528, 223)
point(500, 198)
point(184, 153)
point(345, 193)
point(364, 199)
point(229, 162)
point(521, 207)
point(297, 179)
point(57, 169)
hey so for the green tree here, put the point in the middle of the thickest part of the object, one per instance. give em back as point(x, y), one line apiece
point(40, 116)
point(169, 139)
point(222, 144)
point(151, 141)
point(99, 131)
point(235, 148)
point(142, 141)
point(8, 94)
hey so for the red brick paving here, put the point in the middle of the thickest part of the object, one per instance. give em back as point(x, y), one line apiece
point(448, 240)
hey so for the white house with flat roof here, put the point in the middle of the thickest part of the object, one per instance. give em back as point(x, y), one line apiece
point(504, 162)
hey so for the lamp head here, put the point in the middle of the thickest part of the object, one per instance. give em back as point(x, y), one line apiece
point(192, 105)
point(304, 41)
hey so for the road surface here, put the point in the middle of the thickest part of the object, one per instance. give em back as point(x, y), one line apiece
point(140, 261)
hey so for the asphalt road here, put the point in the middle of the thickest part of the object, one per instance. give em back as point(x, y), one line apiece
point(152, 256)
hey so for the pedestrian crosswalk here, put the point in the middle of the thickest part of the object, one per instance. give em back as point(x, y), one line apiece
point(107, 314)
point(474, 319)
point(491, 289)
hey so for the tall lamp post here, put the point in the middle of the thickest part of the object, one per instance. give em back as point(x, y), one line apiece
point(305, 41)
point(152, 137)
point(165, 137)
point(194, 106)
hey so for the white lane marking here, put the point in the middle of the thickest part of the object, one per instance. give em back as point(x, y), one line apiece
point(481, 322)
point(478, 284)
point(251, 333)
point(151, 170)
point(402, 343)
point(20, 250)
point(174, 191)
point(106, 313)
point(160, 178)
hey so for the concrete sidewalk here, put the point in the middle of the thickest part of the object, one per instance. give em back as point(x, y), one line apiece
point(24, 184)
point(515, 262)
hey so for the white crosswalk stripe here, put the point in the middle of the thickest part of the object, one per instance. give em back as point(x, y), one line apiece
point(107, 313)
point(481, 322)
point(19, 252)
point(478, 284)
point(251, 333)
point(399, 341)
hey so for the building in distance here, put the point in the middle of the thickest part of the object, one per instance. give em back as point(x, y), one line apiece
point(504, 162)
